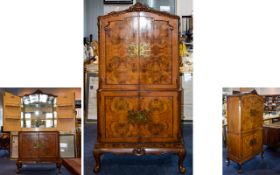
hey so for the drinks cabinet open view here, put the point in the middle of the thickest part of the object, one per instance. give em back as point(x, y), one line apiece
point(139, 95)
point(38, 120)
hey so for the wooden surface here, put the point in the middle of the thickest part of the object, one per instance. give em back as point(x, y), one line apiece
point(72, 165)
point(11, 112)
point(65, 113)
point(271, 135)
point(139, 75)
point(245, 120)
point(38, 147)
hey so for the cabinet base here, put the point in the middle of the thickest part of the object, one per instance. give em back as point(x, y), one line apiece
point(19, 165)
point(139, 150)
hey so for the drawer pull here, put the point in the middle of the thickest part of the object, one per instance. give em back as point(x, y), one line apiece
point(138, 116)
point(253, 112)
point(253, 142)
point(139, 151)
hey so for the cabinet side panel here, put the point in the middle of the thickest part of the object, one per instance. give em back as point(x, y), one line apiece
point(233, 146)
point(233, 115)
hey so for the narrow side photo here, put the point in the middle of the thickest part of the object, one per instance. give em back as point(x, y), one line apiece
point(251, 131)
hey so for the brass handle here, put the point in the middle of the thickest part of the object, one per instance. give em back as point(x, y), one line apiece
point(253, 112)
point(143, 49)
point(38, 145)
point(139, 151)
point(253, 142)
point(136, 116)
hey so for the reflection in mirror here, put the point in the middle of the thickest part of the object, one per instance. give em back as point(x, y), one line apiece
point(38, 110)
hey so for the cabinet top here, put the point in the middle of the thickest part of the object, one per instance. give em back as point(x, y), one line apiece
point(244, 94)
point(138, 7)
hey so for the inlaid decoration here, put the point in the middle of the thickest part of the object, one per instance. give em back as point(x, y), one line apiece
point(121, 55)
point(156, 63)
point(117, 120)
point(252, 111)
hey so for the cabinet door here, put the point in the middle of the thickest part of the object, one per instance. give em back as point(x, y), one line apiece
point(113, 121)
point(11, 112)
point(28, 145)
point(163, 123)
point(252, 112)
point(258, 143)
point(48, 145)
point(66, 112)
point(158, 51)
point(247, 146)
point(118, 63)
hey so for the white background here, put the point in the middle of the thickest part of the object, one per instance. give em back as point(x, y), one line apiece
point(236, 44)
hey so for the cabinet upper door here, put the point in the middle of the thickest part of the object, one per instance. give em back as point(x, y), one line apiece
point(252, 112)
point(66, 106)
point(118, 62)
point(138, 50)
point(11, 112)
point(48, 145)
point(28, 145)
point(66, 112)
point(158, 51)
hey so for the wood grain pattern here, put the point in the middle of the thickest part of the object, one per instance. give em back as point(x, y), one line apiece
point(11, 112)
point(245, 120)
point(139, 95)
point(38, 147)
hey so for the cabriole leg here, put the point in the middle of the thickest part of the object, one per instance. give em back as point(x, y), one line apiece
point(228, 161)
point(97, 155)
point(182, 155)
point(58, 166)
point(239, 168)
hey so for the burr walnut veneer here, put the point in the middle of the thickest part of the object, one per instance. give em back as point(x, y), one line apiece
point(139, 95)
point(245, 132)
point(41, 146)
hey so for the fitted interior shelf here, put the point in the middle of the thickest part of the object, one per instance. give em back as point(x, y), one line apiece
point(39, 111)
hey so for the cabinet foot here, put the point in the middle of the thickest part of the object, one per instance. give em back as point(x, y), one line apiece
point(228, 161)
point(182, 155)
point(58, 166)
point(97, 155)
point(19, 165)
point(239, 168)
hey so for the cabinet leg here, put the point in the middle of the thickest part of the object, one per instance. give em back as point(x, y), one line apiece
point(19, 165)
point(58, 166)
point(262, 155)
point(97, 155)
point(228, 161)
point(239, 168)
point(182, 155)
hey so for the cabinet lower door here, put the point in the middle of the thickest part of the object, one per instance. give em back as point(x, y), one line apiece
point(48, 145)
point(114, 125)
point(247, 146)
point(258, 143)
point(252, 144)
point(163, 119)
point(139, 116)
point(28, 145)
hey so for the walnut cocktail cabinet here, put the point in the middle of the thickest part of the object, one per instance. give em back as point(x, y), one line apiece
point(35, 147)
point(245, 132)
point(139, 95)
